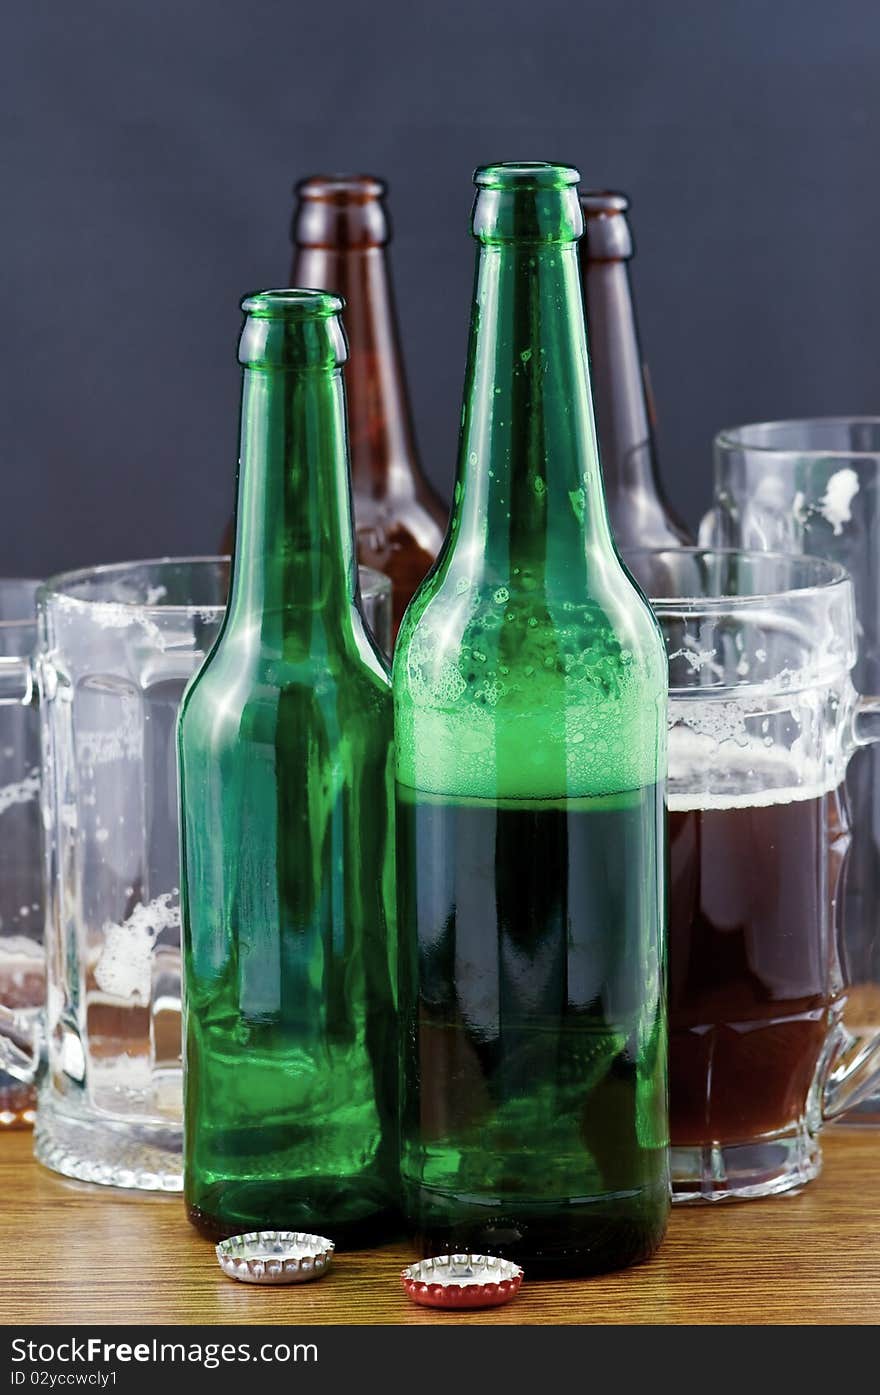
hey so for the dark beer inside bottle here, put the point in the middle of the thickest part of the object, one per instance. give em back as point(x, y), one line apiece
point(534, 1065)
point(755, 982)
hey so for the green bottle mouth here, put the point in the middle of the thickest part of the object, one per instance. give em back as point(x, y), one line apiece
point(292, 329)
point(292, 304)
point(529, 202)
point(526, 174)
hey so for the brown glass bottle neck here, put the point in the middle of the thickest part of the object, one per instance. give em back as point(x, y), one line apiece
point(623, 422)
point(384, 460)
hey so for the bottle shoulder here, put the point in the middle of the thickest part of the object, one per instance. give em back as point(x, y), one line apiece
point(402, 542)
point(418, 513)
point(509, 617)
point(641, 519)
point(241, 687)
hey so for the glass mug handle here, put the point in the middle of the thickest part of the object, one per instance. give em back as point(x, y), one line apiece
point(21, 1044)
point(20, 1032)
point(854, 1070)
point(18, 686)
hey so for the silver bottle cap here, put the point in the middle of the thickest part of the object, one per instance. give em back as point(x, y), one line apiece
point(275, 1257)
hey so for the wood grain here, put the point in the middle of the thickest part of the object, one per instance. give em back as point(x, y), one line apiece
point(75, 1254)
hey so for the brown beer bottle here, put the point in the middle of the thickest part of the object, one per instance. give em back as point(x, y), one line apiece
point(640, 515)
point(340, 232)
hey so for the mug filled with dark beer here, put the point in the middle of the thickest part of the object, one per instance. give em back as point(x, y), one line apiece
point(763, 719)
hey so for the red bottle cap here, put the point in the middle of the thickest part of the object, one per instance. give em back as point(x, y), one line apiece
point(462, 1281)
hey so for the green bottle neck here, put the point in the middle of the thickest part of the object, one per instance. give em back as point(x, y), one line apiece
point(529, 493)
point(294, 579)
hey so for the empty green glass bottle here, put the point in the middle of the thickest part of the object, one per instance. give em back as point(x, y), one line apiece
point(286, 781)
point(530, 720)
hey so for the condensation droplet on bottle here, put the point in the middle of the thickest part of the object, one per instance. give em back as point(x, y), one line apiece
point(502, 595)
point(525, 355)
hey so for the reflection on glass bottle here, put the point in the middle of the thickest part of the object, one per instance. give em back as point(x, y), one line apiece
point(530, 720)
point(640, 515)
point(286, 787)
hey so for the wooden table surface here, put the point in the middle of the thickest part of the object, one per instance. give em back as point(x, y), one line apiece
point(76, 1254)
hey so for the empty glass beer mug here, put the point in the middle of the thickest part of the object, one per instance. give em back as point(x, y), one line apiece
point(813, 487)
point(22, 965)
point(763, 720)
point(116, 647)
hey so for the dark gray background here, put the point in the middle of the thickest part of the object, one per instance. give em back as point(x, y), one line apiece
point(149, 148)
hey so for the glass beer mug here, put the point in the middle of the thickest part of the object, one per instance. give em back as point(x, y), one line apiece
point(116, 647)
point(813, 486)
point(763, 720)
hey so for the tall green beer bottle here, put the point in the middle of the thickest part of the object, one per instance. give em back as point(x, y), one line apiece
point(286, 782)
point(530, 720)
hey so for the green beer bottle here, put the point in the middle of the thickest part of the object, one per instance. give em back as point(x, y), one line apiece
point(286, 780)
point(530, 721)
